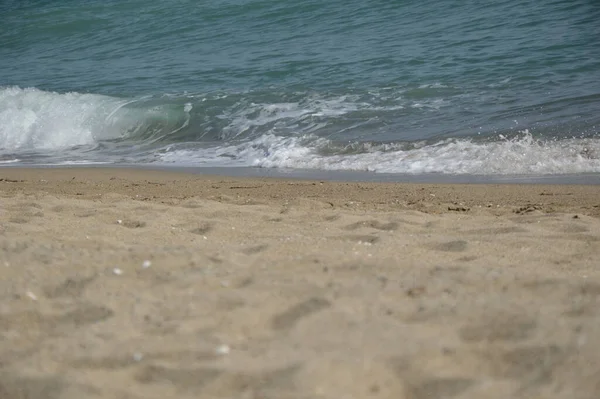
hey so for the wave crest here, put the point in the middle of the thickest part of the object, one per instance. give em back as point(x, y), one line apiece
point(33, 119)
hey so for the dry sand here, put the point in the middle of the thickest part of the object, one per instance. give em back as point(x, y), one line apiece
point(118, 283)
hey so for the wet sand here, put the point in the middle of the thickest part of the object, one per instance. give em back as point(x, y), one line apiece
point(124, 283)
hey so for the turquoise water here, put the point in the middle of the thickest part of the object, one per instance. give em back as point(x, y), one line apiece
point(452, 87)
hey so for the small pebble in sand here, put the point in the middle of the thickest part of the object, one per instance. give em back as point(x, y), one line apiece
point(223, 349)
point(31, 295)
point(119, 221)
point(146, 264)
point(117, 271)
point(137, 357)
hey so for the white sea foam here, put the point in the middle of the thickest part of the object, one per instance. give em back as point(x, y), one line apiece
point(36, 119)
point(522, 155)
point(7, 161)
point(313, 112)
point(82, 162)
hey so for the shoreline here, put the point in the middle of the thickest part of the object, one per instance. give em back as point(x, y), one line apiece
point(152, 184)
point(136, 283)
point(336, 175)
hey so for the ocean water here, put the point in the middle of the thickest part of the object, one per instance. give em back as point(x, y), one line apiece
point(456, 87)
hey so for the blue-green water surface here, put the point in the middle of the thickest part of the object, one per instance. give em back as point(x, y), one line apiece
point(457, 87)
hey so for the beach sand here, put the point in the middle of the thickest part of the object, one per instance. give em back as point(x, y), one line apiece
point(123, 283)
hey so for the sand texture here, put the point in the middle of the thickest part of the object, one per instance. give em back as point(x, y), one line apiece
point(122, 283)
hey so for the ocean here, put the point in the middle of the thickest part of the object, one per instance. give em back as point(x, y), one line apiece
point(474, 88)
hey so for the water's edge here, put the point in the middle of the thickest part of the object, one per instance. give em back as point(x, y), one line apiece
point(339, 176)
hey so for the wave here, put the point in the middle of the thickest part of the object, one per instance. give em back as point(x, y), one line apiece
point(33, 119)
point(520, 155)
point(361, 131)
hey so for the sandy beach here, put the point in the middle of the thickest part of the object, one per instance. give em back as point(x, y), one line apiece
point(125, 283)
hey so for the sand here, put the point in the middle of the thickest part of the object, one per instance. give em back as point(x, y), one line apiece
point(123, 283)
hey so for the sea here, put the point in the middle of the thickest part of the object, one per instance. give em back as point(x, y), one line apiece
point(395, 87)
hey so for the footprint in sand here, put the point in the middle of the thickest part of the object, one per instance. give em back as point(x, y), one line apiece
point(290, 317)
point(18, 220)
point(132, 224)
point(374, 224)
point(255, 249)
point(203, 228)
point(451, 246)
point(71, 287)
point(362, 239)
point(86, 314)
point(499, 328)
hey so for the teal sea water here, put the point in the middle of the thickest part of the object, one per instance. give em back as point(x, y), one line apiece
point(397, 86)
